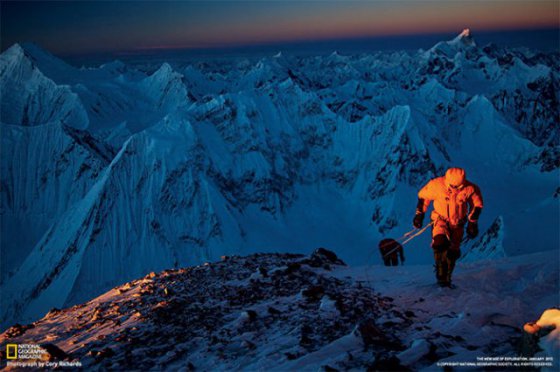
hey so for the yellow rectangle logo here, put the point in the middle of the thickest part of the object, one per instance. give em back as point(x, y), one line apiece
point(11, 351)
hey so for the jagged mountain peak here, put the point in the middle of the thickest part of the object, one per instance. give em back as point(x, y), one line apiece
point(335, 58)
point(14, 51)
point(31, 51)
point(465, 38)
point(36, 98)
point(165, 68)
point(37, 51)
point(49, 64)
point(165, 72)
point(480, 101)
point(462, 43)
point(165, 86)
point(465, 33)
point(15, 56)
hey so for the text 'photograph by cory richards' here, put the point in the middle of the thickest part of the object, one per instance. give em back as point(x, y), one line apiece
point(280, 185)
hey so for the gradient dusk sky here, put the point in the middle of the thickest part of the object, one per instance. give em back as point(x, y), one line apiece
point(82, 27)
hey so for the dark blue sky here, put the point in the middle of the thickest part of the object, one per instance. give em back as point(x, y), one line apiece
point(105, 26)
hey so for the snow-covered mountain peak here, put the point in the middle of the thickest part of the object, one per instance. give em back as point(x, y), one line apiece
point(480, 103)
point(38, 53)
point(15, 58)
point(165, 86)
point(13, 53)
point(335, 58)
point(34, 98)
point(462, 43)
point(164, 70)
point(465, 37)
point(50, 65)
point(163, 75)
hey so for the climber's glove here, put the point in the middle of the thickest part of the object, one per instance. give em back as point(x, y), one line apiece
point(475, 214)
point(418, 220)
point(472, 229)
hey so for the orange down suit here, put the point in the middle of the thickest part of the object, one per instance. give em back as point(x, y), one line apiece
point(452, 207)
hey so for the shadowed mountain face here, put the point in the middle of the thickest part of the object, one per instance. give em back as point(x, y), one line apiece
point(112, 172)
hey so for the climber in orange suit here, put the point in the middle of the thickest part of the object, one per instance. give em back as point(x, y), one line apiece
point(456, 203)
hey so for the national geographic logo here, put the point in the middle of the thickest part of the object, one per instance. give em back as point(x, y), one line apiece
point(25, 351)
point(11, 351)
point(34, 356)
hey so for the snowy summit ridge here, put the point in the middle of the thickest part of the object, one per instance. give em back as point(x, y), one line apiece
point(296, 312)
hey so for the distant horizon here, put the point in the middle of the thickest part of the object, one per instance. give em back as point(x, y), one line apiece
point(544, 39)
point(74, 28)
point(280, 43)
point(552, 42)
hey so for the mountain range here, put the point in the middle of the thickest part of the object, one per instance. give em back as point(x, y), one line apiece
point(112, 172)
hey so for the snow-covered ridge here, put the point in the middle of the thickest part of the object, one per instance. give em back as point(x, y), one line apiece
point(35, 99)
point(166, 88)
point(294, 312)
point(242, 155)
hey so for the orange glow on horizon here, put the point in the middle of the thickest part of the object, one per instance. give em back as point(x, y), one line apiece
point(79, 27)
point(361, 22)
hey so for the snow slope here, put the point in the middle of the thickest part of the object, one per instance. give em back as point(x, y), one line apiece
point(294, 312)
point(61, 165)
point(484, 315)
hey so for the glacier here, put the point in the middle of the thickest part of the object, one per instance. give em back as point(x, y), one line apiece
point(111, 172)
